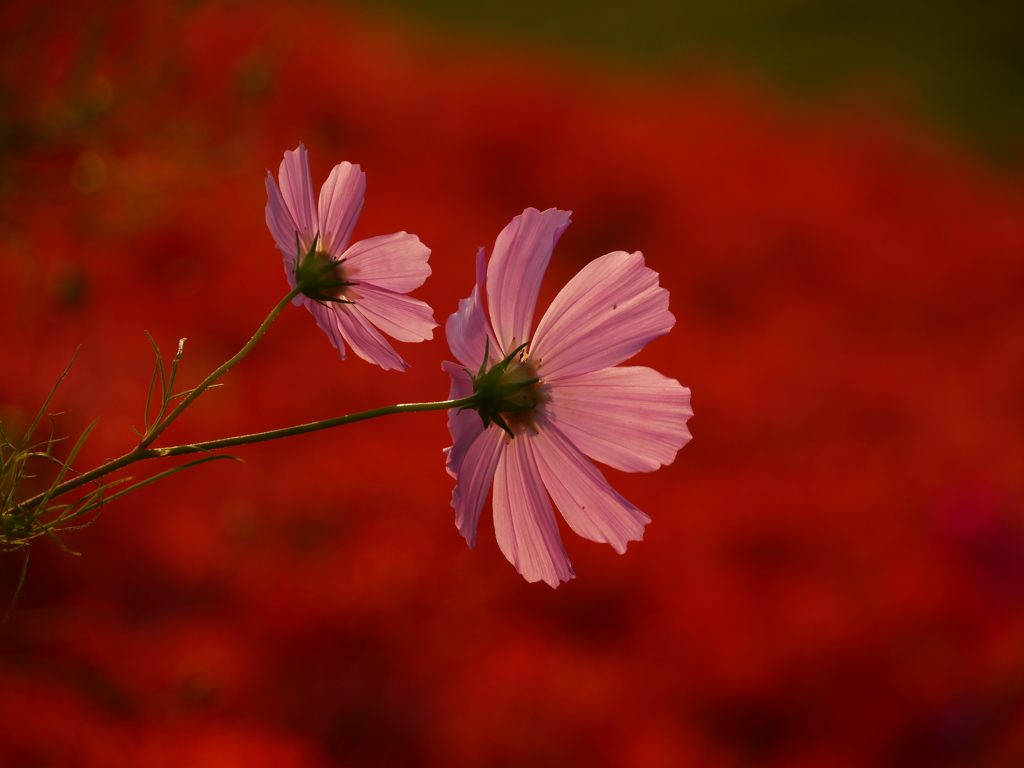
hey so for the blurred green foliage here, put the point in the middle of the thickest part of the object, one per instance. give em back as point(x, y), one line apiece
point(958, 62)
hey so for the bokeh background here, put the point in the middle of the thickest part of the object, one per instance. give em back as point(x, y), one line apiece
point(831, 191)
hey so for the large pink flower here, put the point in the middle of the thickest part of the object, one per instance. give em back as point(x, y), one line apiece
point(559, 392)
point(356, 291)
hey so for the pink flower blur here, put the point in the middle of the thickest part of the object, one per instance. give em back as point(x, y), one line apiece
point(378, 271)
point(585, 405)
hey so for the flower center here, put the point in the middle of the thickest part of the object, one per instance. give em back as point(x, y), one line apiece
point(320, 277)
point(510, 393)
point(529, 400)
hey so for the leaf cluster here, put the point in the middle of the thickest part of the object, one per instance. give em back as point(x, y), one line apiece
point(49, 513)
point(19, 458)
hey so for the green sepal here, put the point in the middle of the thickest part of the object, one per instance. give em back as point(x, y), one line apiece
point(316, 275)
point(494, 395)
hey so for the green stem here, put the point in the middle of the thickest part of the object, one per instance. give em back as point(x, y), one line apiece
point(140, 453)
point(315, 426)
point(155, 432)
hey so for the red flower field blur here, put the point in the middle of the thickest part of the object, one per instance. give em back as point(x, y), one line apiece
point(834, 575)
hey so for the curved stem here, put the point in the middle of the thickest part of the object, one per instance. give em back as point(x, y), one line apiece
point(155, 432)
point(139, 453)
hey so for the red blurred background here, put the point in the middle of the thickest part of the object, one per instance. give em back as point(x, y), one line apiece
point(834, 574)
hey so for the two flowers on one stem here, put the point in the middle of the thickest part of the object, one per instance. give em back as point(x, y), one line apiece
point(547, 401)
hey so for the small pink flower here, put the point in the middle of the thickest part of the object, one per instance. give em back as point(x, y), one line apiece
point(559, 391)
point(356, 291)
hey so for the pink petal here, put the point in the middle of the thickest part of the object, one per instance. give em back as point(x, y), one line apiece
point(328, 321)
point(524, 522)
point(297, 192)
point(460, 422)
point(346, 321)
point(604, 315)
point(280, 221)
point(520, 257)
point(341, 200)
point(462, 385)
point(472, 457)
point(467, 329)
point(399, 316)
point(631, 418)
point(588, 503)
point(464, 424)
point(397, 262)
point(477, 462)
point(283, 228)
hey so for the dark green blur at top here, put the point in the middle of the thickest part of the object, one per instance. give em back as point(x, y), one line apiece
point(959, 63)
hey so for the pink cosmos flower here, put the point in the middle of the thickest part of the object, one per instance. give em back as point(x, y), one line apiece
point(356, 291)
point(552, 397)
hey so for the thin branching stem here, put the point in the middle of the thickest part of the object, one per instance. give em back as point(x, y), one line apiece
point(164, 423)
point(93, 500)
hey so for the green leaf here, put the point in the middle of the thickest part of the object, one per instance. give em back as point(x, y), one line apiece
point(158, 371)
point(46, 403)
point(65, 467)
point(21, 583)
point(154, 478)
